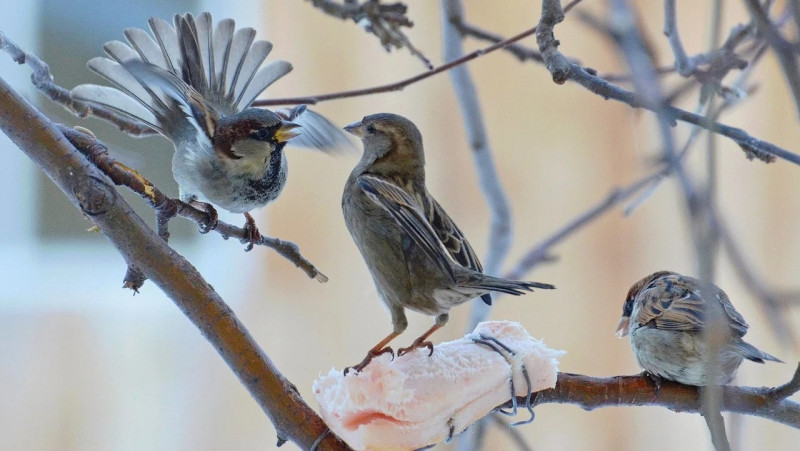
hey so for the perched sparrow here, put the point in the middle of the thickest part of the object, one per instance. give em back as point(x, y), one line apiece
point(194, 84)
point(665, 314)
point(417, 256)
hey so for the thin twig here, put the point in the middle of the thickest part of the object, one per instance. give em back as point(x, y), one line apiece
point(386, 21)
point(784, 49)
point(398, 85)
point(42, 79)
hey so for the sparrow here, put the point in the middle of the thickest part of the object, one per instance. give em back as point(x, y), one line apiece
point(417, 256)
point(195, 84)
point(665, 315)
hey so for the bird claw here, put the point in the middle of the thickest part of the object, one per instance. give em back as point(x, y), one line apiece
point(212, 217)
point(251, 234)
point(655, 379)
point(370, 355)
point(416, 345)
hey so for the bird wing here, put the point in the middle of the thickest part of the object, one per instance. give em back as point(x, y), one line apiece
point(408, 214)
point(675, 302)
point(451, 236)
point(316, 132)
point(222, 64)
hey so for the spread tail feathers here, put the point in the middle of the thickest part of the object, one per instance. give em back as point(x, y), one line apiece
point(221, 63)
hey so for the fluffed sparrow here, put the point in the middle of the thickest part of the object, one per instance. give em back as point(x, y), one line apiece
point(665, 314)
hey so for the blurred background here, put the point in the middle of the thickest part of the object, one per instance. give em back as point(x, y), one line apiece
point(84, 365)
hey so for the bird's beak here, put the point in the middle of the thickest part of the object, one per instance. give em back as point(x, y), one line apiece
point(355, 129)
point(622, 327)
point(286, 132)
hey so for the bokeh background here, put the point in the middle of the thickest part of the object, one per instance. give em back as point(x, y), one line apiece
point(86, 366)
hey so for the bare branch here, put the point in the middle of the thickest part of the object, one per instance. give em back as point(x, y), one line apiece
point(500, 233)
point(42, 79)
point(386, 21)
point(784, 49)
point(87, 188)
point(399, 85)
point(96, 152)
point(500, 229)
point(591, 393)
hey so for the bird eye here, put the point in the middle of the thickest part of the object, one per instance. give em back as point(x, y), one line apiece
point(370, 128)
point(262, 134)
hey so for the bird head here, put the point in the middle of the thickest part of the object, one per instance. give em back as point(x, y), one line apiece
point(251, 136)
point(392, 144)
point(627, 307)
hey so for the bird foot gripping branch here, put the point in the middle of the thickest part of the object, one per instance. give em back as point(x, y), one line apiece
point(419, 400)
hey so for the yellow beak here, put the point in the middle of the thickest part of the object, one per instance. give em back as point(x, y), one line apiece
point(287, 132)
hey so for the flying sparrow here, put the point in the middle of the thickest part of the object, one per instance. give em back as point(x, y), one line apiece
point(665, 314)
point(418, 257)
point(194, 84)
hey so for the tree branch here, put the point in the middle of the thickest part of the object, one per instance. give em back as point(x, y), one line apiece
point(784, 49)
point(591, 393)
point(386, 21)
point(97, 153)
point(88, 189)
point(500, 228)
point(562, 70)
point(42, 79)
point(166, 208)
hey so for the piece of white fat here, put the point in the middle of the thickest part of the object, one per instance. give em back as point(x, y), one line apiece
point(415, 400)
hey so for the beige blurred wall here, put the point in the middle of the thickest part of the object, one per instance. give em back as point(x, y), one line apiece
point(135, 375)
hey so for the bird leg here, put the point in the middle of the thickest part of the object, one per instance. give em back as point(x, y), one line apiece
point(420, 342)
point(655, 379)
point(376, 350)
point(212, 217)
point(251, 234)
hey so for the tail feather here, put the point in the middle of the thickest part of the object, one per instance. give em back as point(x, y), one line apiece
point(512, 287)
point(119, 51)
point(167, 39)
point(126, 82)
point(261, 81)
point(117, 101)
point(750, 352)
point(225, 66)
point(242, 40)
point(223, 36)
point(252, 61)
point(146, 47)
point(192, 68)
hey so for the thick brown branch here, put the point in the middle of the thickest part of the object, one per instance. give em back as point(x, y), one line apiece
point(88, 189)
point(591, 393)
